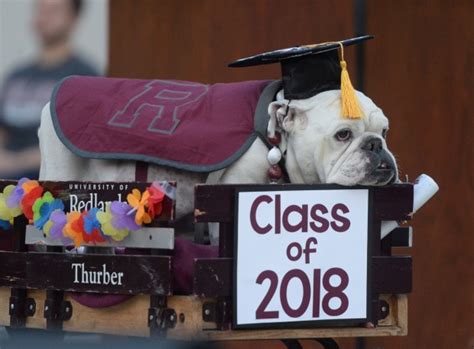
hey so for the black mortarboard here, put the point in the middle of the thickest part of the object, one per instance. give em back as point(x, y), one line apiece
point(311, 69)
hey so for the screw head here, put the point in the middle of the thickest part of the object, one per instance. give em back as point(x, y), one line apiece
point(384, 309)
point(31, 307)
point(207, 312)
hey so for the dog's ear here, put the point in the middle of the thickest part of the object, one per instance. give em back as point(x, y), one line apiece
point(282, 117)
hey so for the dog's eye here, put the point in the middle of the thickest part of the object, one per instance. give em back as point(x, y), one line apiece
point(343, 135)
point(384, 133)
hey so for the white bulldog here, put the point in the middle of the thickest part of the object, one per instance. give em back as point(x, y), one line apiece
point(319, 147)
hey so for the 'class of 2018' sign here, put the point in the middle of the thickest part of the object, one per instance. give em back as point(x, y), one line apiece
point(301, 257)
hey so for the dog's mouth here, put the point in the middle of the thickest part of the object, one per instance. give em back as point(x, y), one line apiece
point(384, 166)
point(384, 173)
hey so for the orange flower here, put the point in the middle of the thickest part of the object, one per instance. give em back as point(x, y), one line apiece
point(138, 202)
point(74, 228)
point(29, 185)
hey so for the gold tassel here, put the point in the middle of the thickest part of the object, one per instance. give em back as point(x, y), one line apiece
point(350, 104)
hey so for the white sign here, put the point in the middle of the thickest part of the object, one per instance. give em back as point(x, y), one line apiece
point(301, 256)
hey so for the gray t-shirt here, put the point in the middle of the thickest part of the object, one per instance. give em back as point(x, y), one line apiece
point(24, 94)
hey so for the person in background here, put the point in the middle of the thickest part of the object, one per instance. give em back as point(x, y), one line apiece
point(27, 89)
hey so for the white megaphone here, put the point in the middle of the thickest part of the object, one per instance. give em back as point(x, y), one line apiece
point(423, 189)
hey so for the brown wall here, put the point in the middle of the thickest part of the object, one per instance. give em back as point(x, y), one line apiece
point(196, 39)
point(419, 70)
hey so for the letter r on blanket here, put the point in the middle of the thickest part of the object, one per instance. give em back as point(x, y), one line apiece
point(159, 106)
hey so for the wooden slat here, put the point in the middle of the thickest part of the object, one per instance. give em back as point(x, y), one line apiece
point(215, 203)
point(390, 274)
point(12, 269)
point(393, 202)
point(213, 277)
point(130, 319)
point(127, 318)
point(55, 271)
point(146, 237)
point(95, 192)
point(4, 306)
point(140, 274)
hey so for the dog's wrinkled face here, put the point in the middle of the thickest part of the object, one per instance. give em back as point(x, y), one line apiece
point(323, 147)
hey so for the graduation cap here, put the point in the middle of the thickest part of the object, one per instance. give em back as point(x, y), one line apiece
point(311, 69)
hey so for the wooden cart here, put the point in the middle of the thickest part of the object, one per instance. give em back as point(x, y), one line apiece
point(37, 289)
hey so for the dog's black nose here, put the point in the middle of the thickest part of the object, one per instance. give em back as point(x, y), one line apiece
point(373, 144)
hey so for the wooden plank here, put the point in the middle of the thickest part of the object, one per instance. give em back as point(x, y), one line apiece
point(213, 277)
point(124, 274)
point(394, 202)
point(4, 306)
point(238, 335)
point(81, 196)
point(402, 313)
point(226, 239)
point(215, 203)
point(99, 273)
point(130, 319)
point(146, 237)
point(390, 274)
point(13, 269)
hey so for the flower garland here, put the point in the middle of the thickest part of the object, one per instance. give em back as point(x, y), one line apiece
point(94, 226)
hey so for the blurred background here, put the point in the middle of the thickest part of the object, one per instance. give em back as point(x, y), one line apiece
point(19, 43)
point(418, 70)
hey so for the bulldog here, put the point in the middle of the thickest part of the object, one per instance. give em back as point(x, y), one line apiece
point(318, 146)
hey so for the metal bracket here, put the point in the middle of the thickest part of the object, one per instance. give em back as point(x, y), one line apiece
point(160, 317)
point(56, 310)
point(19, 308)
point(380, 310)
point(218, 312)
point(209, 312)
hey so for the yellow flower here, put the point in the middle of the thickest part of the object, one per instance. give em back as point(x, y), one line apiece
point(7, 213)
point(105, 220)
point(138, 202)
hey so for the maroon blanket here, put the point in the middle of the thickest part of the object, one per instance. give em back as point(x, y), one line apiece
point(185, 125)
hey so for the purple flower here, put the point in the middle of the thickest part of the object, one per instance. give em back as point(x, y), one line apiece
point(121, 219)
point(58, 217)
point(17, 194)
